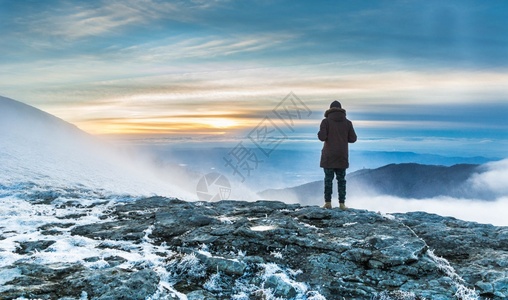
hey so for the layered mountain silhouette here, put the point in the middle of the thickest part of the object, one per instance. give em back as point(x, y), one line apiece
point(408, 180)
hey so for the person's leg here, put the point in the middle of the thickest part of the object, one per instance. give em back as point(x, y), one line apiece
point(341, 186)
point(329, 174)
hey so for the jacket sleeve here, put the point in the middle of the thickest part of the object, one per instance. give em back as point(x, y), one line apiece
point(323, 131)
point(352, 134)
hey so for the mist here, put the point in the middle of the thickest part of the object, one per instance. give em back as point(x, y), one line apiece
point(40, 149)
point(486, 212)
point(281, 172)
point(494, 179)
point(43, 150)
point(469, 192)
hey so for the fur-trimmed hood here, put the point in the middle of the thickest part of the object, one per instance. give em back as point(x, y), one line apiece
point(342, 112)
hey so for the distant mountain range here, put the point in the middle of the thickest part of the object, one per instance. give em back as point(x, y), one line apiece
point(376, 159)
point(407, 180)
point(285, 167)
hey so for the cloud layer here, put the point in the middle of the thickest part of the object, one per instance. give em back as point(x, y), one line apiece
point(491, 181)
point(402, 69)
point(491, 212)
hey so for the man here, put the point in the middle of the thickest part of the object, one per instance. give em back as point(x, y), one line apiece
point(336, 131)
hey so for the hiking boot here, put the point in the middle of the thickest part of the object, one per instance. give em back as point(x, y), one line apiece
point(342, 206)
point(328, 205)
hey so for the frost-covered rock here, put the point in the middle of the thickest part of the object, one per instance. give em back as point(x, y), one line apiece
point(159, 248)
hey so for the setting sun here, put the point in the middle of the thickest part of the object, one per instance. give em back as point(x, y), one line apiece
point(166, 125)
point(219, 123)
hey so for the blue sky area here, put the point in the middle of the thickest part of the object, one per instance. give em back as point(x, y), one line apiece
point(422, 76)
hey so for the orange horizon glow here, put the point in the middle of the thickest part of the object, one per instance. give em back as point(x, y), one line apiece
point(208, 125)
point(173, 126)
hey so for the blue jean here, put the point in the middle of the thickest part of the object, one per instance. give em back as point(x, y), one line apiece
point(341, 184)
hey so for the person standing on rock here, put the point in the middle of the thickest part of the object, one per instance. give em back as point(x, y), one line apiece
point(336, 131)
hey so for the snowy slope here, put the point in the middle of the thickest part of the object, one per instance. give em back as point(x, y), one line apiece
point(40, 150)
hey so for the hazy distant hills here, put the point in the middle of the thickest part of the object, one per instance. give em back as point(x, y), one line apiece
point(286, 167)
point(376, 159)
point(407, 180)
point(415, 180)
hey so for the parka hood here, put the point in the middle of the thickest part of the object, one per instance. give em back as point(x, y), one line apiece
point(336, 114)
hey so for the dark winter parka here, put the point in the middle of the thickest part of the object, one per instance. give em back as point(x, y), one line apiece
point(336, 131)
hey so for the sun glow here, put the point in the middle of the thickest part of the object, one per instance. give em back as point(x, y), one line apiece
point(194, 125)
point(222, 123)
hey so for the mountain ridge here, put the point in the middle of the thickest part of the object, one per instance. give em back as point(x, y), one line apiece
point(18, 117)
point(405, 180)
point(47, 150)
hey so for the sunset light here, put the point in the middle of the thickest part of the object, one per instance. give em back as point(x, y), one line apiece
point(281, 149)
point(411, 70)
point(219, 122)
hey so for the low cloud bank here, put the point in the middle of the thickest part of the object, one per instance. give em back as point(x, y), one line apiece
point(487, 212)
point(494, 179)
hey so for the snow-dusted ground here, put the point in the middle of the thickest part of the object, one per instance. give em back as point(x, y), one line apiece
point(53, 173)
point(22, 217)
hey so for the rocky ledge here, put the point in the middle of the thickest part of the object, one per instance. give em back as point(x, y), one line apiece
point(264, 250)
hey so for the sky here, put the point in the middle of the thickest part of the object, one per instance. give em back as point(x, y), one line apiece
point(421, 76)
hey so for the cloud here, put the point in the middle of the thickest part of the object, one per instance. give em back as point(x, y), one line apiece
point(133, 92)
point(491, 181)
point(416, 124)
point(205, 47)
point(487, 212)
point(99, 18)
point(80, 59)
point(494, 179)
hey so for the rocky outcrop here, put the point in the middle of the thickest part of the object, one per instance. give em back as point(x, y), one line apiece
point(479, 252)
point(267, 250)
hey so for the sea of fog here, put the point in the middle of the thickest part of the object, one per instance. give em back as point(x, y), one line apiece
point(294, 165)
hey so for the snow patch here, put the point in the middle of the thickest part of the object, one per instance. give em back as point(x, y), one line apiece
point(263, 228)
point(462, 292)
